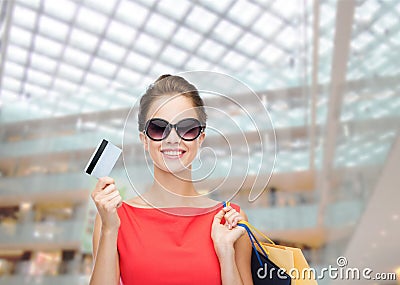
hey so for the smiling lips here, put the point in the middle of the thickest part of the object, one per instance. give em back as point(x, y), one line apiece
point(173, 153)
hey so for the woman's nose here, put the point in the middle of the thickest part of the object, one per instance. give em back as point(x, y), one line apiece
point(172, 137)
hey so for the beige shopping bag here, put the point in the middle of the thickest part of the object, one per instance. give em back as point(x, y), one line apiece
point(289, 258)
point(299, 270)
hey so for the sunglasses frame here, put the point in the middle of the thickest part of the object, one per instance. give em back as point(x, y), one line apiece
point(172, 126)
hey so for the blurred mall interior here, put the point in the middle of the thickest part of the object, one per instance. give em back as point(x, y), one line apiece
point(328, 72)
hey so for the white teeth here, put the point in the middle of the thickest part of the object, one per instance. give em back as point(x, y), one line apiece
point(173, 152)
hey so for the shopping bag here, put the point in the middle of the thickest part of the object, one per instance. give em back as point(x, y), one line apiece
point(263, 270)
point(290, 260)
point(300, 271)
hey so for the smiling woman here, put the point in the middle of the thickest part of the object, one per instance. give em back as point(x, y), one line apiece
point(170, 234)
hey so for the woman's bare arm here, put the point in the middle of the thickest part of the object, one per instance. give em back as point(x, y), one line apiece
point(243, 252)
point(105, 234)
point(105, 256)
point(232, 248)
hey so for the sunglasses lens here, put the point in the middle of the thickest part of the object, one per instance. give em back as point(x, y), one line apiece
point(156, 129)
point(189, 129)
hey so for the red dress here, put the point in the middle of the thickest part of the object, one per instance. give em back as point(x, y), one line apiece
point(158, 247)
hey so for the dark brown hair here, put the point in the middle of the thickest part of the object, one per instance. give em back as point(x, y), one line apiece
point(170, 85)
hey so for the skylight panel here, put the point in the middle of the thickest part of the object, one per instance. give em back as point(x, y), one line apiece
point(250, 44)
point(35, 4)
point(76, 57)
point(91, 21)
point(253, 65)
point(369, 7)
point(70, 72)
point(147, 44)
point(103, 67)
point(37, 77)
point(8, 95)
point(67, 105)
point(174, 55)
point(20, 37)
point(226, 32)
point(34, 92)
point(47, 46)
point(53, 29)
point(243, 12)
point(64, 86)
point(186, 38)
point(131, 13)
point(43, 63)
point(111, 51)
point(60, 9)
point(267, 25)
point(160, 26)
point(388, 21)
point(83, 40)
point(96, 81)
point(159, 68)
point(197, 63)
point(288, 37)
point(24, 17)
point(178, 12)
point(127, 76)
point(219, 6)
point(17, 54)
point(362, 40)
point(13, 69)
point(211, 49)
point(234, 60)
point(327, 16)
point(11, 83)
point(287, 11)
point(120, 33)
point(138, 61)
point(201, 19)
point(148, 3)
point(271, 54)
point(103, 6)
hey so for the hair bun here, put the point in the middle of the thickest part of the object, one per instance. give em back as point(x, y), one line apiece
point(162, 77)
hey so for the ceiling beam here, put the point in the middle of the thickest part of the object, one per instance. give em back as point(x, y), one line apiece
point(7, 8)
point(343, 31)
point(314, 83)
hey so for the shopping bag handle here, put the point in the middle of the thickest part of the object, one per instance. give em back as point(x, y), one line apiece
point(247, 226)
point(254, 240)
point(250, 226)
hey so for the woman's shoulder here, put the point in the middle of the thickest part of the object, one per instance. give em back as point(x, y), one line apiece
point(204, 202)
point(137, 202)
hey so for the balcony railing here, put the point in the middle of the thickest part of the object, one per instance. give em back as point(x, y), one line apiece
point(41, 233)
point(341, 213)
point(45, 280)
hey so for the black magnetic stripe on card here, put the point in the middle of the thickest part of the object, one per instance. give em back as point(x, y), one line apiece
point(97, 156)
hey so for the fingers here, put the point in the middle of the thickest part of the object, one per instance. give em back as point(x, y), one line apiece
point(232, 217)
point(218, 217)
point(110, 204)
point(103, 182)
point(108, 189)
point(105, 195)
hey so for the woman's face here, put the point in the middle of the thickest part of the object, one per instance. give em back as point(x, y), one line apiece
point(172, 109)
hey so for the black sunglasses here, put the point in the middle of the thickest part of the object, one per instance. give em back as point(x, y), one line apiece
point(187, 129)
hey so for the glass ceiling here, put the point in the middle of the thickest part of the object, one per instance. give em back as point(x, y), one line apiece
point(70, 57)
point(60, 54)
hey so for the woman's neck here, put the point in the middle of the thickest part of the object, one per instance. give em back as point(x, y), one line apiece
point(174, 189)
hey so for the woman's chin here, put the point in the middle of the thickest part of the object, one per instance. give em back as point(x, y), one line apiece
point(176, 166)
